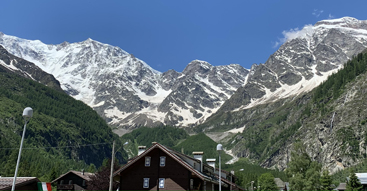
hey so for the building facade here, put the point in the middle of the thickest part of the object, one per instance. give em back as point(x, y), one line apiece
point(161, 168)
point(73, 180)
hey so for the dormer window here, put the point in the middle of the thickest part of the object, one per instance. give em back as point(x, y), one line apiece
point(147, 161)
point(163, 161)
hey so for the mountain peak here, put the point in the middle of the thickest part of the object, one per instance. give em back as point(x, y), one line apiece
point(197, 66)
point(348, 22)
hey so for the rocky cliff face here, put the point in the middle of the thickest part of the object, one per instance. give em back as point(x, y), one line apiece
point(330, 120)
point(302, 63)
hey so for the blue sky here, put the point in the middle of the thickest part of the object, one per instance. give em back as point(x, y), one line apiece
point(168, 34)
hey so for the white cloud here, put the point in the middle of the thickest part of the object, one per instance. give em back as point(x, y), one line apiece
point(331, 16)
point(291, 34)
point(317, 13)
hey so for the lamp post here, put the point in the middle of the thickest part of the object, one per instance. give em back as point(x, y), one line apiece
point(219, 149)
point(27, 114)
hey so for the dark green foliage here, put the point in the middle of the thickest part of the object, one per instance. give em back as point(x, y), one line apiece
point(247, 172)
point(334, 86)
point(326, 181)
point(144, 136)
point(201, 142)
point(353, 183)
point(92, 168)
point(349, 139)
point(56, 134)
point(341, 175)
point(266, 182)
point(303, 173)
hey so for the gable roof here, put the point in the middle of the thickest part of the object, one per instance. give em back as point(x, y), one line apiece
point(86, 175)
point(279, 182)
point(7, 182)
point(173, 154)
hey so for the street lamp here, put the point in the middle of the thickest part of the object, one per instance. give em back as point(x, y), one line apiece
point(219, 149)
point(27, 114)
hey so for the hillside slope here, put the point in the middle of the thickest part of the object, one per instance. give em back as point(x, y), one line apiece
point(330, 120)
point(64, 133)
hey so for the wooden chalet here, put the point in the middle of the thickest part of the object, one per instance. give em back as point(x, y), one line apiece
point(73, 180)
point(22, 183)
point(161, 168)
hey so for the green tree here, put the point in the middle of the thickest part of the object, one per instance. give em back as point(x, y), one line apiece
point(296, 182)
point(92, 168)
point(53, 173)
point(266, 182)
point(313, 176)
point(353, 182)
point(303, 173)
point(326, 181)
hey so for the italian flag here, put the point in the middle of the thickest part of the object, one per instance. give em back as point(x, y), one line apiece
point(44, 186)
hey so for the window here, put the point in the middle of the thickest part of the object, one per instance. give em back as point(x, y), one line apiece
point(147, 161)
point(61, 181)
point(146, 183)
point(191, 184)
point(161, 183)
point(163, 161)
point(70, 181)
point(83, 183)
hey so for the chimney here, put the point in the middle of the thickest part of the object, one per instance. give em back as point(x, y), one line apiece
point(199, 156)
point(211, 162)
point(141, 149)
point(153, 143)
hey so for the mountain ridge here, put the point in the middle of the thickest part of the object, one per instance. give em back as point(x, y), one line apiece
point(128, 93)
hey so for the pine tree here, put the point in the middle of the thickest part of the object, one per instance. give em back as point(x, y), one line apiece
point(92, 168)
point(353, 182)
point(326, 181)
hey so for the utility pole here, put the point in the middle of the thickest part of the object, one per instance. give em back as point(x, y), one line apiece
point(112, 160)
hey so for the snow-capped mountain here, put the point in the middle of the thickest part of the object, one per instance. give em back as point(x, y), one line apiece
point(302, 63)
point(15, 65)
point(129, 93)
point(125, 90)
